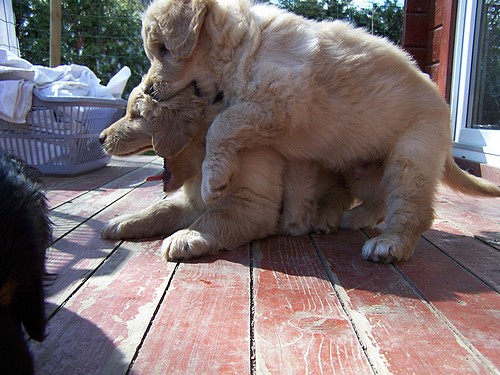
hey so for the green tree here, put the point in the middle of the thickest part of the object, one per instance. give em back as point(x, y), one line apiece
point(381, 19)
point(103, 35)
point(311, 9)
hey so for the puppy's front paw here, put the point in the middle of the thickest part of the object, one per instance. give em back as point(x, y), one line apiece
point(216, 177)
point(116, 228)
point(387, 248)
point(187, 244)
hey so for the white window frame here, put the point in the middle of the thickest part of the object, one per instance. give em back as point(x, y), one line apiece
point(479, 145)
point(8, 39)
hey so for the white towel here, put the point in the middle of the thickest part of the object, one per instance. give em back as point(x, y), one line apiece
point(15, 99)
point(13, 67)
point(65, 80)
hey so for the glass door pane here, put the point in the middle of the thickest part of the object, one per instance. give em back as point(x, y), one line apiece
point(485, 94)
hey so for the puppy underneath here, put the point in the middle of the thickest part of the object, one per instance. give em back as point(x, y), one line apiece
point(177, 131)
point(26, 233)
point(267, 197)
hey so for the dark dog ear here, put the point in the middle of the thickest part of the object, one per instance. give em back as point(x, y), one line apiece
point(15, 357)
point(181, 27)
point(32, 309)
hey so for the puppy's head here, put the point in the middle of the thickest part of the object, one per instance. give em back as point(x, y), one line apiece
point(173, 26)
point(171, 33)
point(132, 133)
point(175, 129)
point(179, 130)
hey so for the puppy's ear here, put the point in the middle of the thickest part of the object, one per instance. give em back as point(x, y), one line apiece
point(32, 309)
point(181, 27)
point(170, 138)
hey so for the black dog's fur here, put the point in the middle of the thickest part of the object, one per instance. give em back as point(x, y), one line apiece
point(25, 234)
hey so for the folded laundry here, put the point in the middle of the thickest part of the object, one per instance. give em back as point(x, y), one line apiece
point(19, 79)
point(15, 99)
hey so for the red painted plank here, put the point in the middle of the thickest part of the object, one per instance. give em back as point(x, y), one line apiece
point(203, 324)
point(477, 216)
point(100, 327)
point(468, 304)
point(488, 207)
point(70, 214)
point(76, 255)
point(469, 222)
point(300, 327)
point(406, 333)
point(478, 258)
point(57, 182)
point(63, 189)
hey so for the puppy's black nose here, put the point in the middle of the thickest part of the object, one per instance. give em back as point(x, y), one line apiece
point(102, 138)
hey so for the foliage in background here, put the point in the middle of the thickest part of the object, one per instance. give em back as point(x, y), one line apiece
point(106, 34)
point(384, 19)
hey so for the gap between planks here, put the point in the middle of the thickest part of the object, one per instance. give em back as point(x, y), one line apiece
point(366, 342)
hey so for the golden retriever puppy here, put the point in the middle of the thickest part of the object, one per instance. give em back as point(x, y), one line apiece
point(177, 131)
point(250, 210)
point(320, 91)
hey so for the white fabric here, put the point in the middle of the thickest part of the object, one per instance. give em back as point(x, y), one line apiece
point(15, 100)
point(19, 78)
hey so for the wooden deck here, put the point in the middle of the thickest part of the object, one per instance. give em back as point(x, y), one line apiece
point(282, 305)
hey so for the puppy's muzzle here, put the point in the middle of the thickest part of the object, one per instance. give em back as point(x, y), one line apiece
point(150, 90)
point(153, 93)
point(102, 138)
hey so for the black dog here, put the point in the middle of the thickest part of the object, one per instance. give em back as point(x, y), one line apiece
point(25, 234)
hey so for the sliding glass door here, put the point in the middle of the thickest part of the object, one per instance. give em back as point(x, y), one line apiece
point(475, 98)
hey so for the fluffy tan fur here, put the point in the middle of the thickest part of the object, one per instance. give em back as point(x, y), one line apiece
point(320, 91)
point(268, 196)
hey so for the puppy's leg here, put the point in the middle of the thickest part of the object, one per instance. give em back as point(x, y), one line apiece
point(243, 125)
point(411, 185)
point(367, 215)
point(299, 204)
point(220, 228)
point(250, 210)
point(331, 204)
point(161, 219)
point(372, 210)
point(226, 227)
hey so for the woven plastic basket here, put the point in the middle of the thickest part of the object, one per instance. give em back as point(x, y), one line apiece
point(61, 135)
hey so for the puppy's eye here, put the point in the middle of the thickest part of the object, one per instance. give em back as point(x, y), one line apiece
point(164, 51)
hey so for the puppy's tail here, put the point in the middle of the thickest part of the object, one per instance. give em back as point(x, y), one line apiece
point(460, 180)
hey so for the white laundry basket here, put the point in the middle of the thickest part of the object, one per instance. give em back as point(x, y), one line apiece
point(61, 135)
